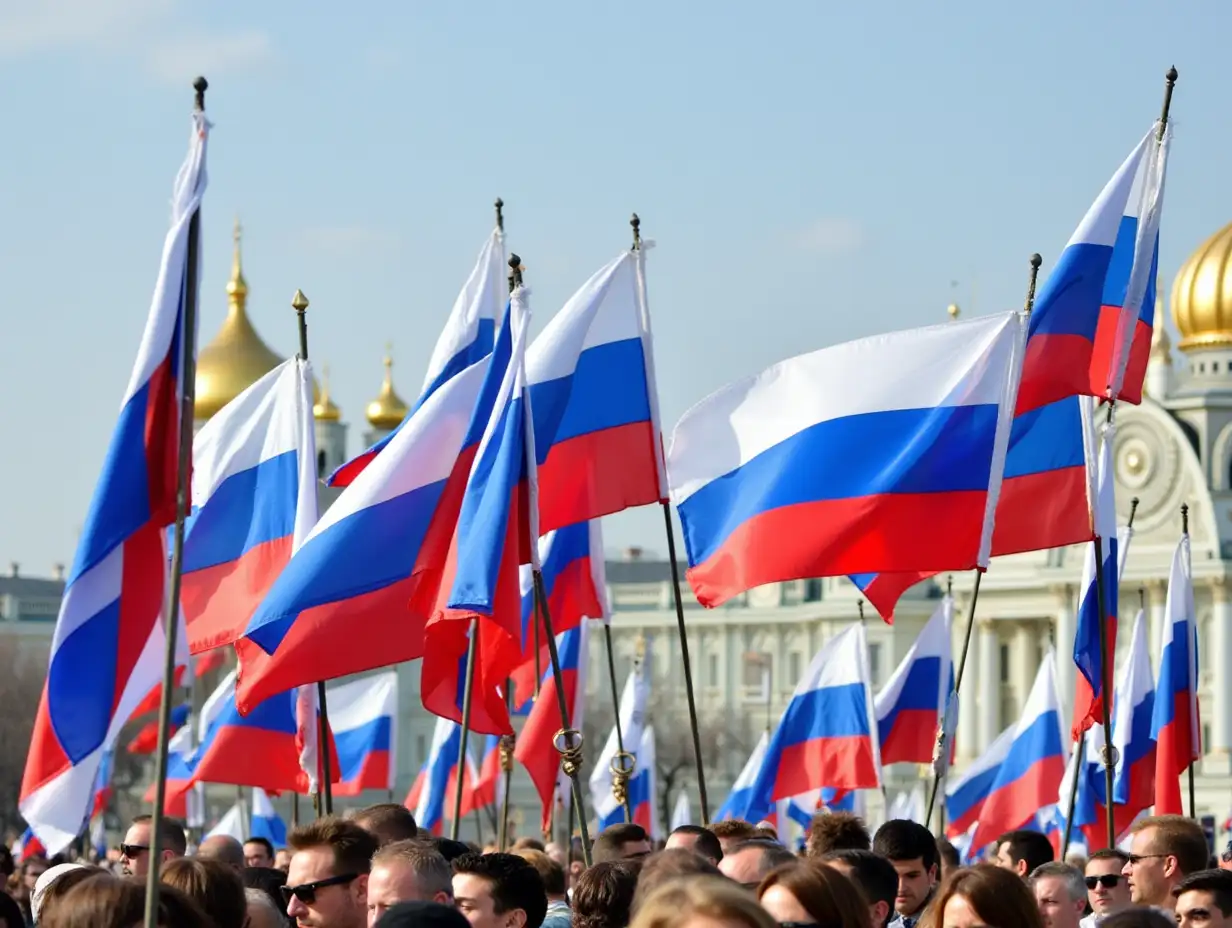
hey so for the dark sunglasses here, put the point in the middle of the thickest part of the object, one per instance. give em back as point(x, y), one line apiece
point(307, 892)
point(133, 851)
point(1106, 880)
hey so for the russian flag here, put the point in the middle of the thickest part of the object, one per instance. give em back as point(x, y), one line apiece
point(254, 498)
point(102, 784)
point(1134, 784)
point(592, 389)
point(490, 785)
point(741, 802)
point(643, 787)
point(433, 792)
point(826, 736)
point(106, 652)
point(1090, 331)
point(535, 748)
point(266, 822)
point(828, 463)
point(146, 740)
point(911, 705)
point(574, 580)
point(467, 338)
point(363, 717)
point(1030, 776)
point(965, 795)
point(633, 699)
point(199, 666)
point(1174, 717)
point(179, 774)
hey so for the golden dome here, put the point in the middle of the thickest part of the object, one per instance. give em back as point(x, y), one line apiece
point(1161, 343)
point(953, 310)
point(388, 409)
point(324, 409)
point(237, 357)
point(1202, 294)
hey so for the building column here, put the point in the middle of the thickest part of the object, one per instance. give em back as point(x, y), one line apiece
point(1156, 597)
point(1024, 655)
point(1064, 630)
point(967, 737)
point(1221, 667)
point(988, 702)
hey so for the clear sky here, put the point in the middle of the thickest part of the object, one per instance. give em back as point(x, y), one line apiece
point(811, 172)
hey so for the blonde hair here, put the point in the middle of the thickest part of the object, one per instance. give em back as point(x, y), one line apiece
point(676, 901)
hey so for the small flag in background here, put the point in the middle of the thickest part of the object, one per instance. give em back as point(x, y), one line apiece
point(1174, 720)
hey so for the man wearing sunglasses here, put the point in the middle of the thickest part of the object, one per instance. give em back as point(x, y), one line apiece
point(1163, 850)
point(135, 849)
point(1107, 889)
point(327, 880)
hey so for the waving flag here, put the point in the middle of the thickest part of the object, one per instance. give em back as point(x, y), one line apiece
point(965, 795)
point(573, 579)
point(1174, 718)
point(146, 740)
point(912, 703)
point(632, 710)
point(681, 813)
point(433, 792)
point(490, 784)
point(1134, 785)
point(179, 775)
point(254, 500)
point(266, 822)
point(106, 652)
point(644, 788)
point(827, 464)
point(363, 716)
point(742, 802)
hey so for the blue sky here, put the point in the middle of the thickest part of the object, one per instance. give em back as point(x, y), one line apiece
point(811, 172)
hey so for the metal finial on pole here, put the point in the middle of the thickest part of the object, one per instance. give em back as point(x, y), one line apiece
point(299, 303)
point(636, 222)
point(1036, 261)
point(201, 85)
point(622, 763)
point(500, 214)
point(515, 272)
point(1169, 86)
point(1185, 518)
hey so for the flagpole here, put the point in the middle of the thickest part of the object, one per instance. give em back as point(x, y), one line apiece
point(621, 754)
point(188, 375)
point(1076, 763)
point(325, 799)
point(670, 530)
point(460, 775)
point(942, 736)
point(1169, 85)
point(506, 761)
point(1189, 645)
point(945, 764)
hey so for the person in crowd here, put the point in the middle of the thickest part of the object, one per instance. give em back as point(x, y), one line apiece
point(1061, 894)
point(874, 876)
point(1225, 858)
point(282, 859)
point(603, 895)
point(387, 822)
point(407, 871)
point(498, 891)
point(982, 896)
point(553, 876)
point(422, 915)
point(327, 881)
point(1023, 851)
point(664, 866)
point(836, 831)
point(213, 885)
point(697, 839)
point(262, 911)
point(703, 902)
point(107, 901)
point(1163, 850)
point(808, 892)
point(748, 862)
point(135, 848)
point(1138, 918)
point(732, 831)
point(528, 844)
point(619, 842)
point(11, 915)
point(1107, 889)
point(224, 849)
point(1204, 899)
point(269, 881)
point(912, 851)
point(258, 852)
point(54, 885)
point(449, 849)
point(7, 866)
point(27, 876)
point(948, 855)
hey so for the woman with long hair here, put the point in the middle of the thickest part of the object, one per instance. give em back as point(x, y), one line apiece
point(807, 892)
point(980, 897)
point(701, 902)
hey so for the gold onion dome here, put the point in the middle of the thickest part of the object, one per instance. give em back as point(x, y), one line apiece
point(953, 312)
point(1202, 294)
point(324, 409)
point(388, 409)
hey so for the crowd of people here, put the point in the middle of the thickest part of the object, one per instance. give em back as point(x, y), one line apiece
point(376, 869)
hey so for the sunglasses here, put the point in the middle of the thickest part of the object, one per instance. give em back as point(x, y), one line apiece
point(307, 892)
point(133, 851)
point(1106, 880)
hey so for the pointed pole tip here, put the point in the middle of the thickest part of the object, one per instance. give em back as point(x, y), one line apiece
point(1171, 76)
point(1036, 260)
point(200, 85)
point(299, 302)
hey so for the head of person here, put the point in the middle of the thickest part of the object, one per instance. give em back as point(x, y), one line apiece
point(874, 876)
point(267, 880)
point(1204, 900)
point(666, 866)
point(528, 844)
point(982, 896)
point(54, 885)
point(214, 886)
point(1023, 851)
point(947, 854)
point(224, 849)
point(107, 901)
point(748, 862)
point(732, 831)
point(1061, 894)
point(836, 831)
point(11, 915)
point(422, 915)
point(1107, 888)
point(262, 911)
point(387, 822)
point(808, 892)
point(619, 842)
point(551, 872)
point(1138, 918)
point(327, 880)
point(697, 839)
point(31, 869)
point(603, 895)
point(1163, 850)
point(258, 852)
point(498, 891)
point(407, 871)
point(135, 848)
point(282, 859)
point(703, 902)
point(449, 849)
point(912, 851)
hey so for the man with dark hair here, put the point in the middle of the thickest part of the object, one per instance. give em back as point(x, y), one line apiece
point(449, 849)
point(407, 871)
point(836, 831)
point(258, 852)
point(1107, 889)
point(327, 881)
point(1204, 900)
point(874, 875)
point(387, 822)
point(603, 895)
point(697, 839)
point(499, 891)
point(912, 851)
point(553, 876)
point(135, 848)
point(1163, 850)
point(948, 855)
point(621, 842)
point(732, 831)
point(666, 866)
point(1022, 851)
point(748, 862)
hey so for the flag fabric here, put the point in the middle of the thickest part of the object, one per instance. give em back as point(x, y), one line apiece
point(644, 787)
point(102, 784)
point(266, 822)
point(1174, 717)
point(827, 463)
point(467, 338)
point(231, 825)
point(681, 813)
point(146, 740)
point(633, 699)
point(574, 580)
point(433, 792)
point(254, 498)
point(965, 795)
point(179, 774)
point(1133, 705)
point(592, 389)
point(1090, 332)
point(908, 805)
point(198, 667)
point(742, 801)
point(28, 846)
point(912, 703)
point(107, 648)
point(490, 784)
point(363, 717)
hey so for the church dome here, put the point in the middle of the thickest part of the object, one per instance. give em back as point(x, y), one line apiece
point(324, 409)
point(1202, 294)
point(388, 409)
point(237, 357)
